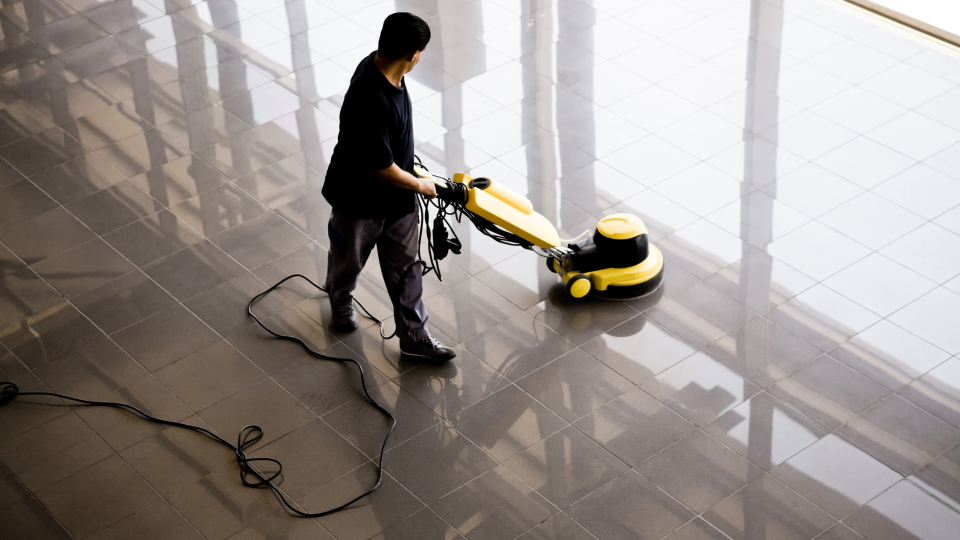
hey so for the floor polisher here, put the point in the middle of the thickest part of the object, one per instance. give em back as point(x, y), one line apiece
point(616, 262)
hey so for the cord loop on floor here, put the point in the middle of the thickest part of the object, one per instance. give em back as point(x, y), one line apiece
point(250, 474)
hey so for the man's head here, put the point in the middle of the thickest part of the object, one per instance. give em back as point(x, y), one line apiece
point(403, 37)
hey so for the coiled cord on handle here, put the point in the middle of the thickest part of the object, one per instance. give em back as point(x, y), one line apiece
point(248, 435)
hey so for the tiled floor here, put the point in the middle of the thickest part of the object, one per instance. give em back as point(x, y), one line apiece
point(797, 376)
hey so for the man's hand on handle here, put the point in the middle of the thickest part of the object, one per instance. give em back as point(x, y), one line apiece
point(395, 176)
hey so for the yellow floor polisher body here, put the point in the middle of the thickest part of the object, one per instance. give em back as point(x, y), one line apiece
point(616, 262)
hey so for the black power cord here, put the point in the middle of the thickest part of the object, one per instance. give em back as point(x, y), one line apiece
point(248, 435)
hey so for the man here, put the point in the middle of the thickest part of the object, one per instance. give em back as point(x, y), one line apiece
point(372, 191)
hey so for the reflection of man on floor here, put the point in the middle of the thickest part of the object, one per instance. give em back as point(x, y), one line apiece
point(372, 191)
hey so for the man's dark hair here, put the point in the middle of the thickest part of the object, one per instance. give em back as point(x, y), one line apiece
point(402, 34)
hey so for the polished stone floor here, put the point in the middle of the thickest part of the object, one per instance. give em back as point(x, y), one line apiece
point(797, 377)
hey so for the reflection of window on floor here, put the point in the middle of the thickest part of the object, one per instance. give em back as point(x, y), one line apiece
point(938, 17)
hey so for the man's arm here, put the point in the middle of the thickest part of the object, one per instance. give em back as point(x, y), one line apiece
point(395, 176)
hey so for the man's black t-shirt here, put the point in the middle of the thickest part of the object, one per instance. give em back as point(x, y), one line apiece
point(376, 130)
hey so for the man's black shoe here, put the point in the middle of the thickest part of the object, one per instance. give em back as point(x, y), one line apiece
point(428, 348)
point(344, 317)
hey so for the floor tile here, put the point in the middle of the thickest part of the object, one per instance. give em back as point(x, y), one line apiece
point(698, 471)
point(193, 270)
point(203, 127)
point(364, 426)
point(106, 125)
point(436, 462)
point(812, 190)
point(700, 314)
point(906, 85)
point(11, 490)
point(759, 281)
point(165, 337)
point(566, 466)
point(922, 190)
point(495, 505)
point(52, 452)
point(915, 135)
point(765, 430)
point(506, 423)
point(828, 392)
point(940, 477)
point(853, 62)
point(518, 346)
point(91, 372)
point(49, 335)
point(762, 352)
point(190, 378)
point(152, 238)
point(836, 475)
point(29, 293)
point(463, 324)
point(871, 220)
point(179, 180)
point(282, 182)
point(942, 108)
point(223, 308)
point(20, 120)
point(260, 240)
point(889, 355)
point(767, 505)
point(702, 248)
point(938, 392)
point(700, 389)
point(219, 209)
point(822, 317)
point(210, 504)
point(558, 527)
point(28, 517)
point(757, 218)
point(175, 457)
point(618, 426)
point(453, 386)
point(273, 355)
point(77, 178)
point(638, 349)
point(859, 110)
point(142, 152)
point(900, 435)
point(574, 385)
point(879, 284)
point(159, 516)
point(629, 507)
point(388, 506)
point(119, 17)
point(123, 301)
point(523, 278)
point(269, 406)
point(23, 415)
point(809, 135)
point(83, 268)
point(895, 513)
point(120, 490)
point(45, 235)
point(655, 157)
point(22, 201)
point(928, 318)
point(112, 208)
point(324, 385)
point(928, 251)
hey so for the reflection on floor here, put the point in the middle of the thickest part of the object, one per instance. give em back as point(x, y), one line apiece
point(798, 163)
